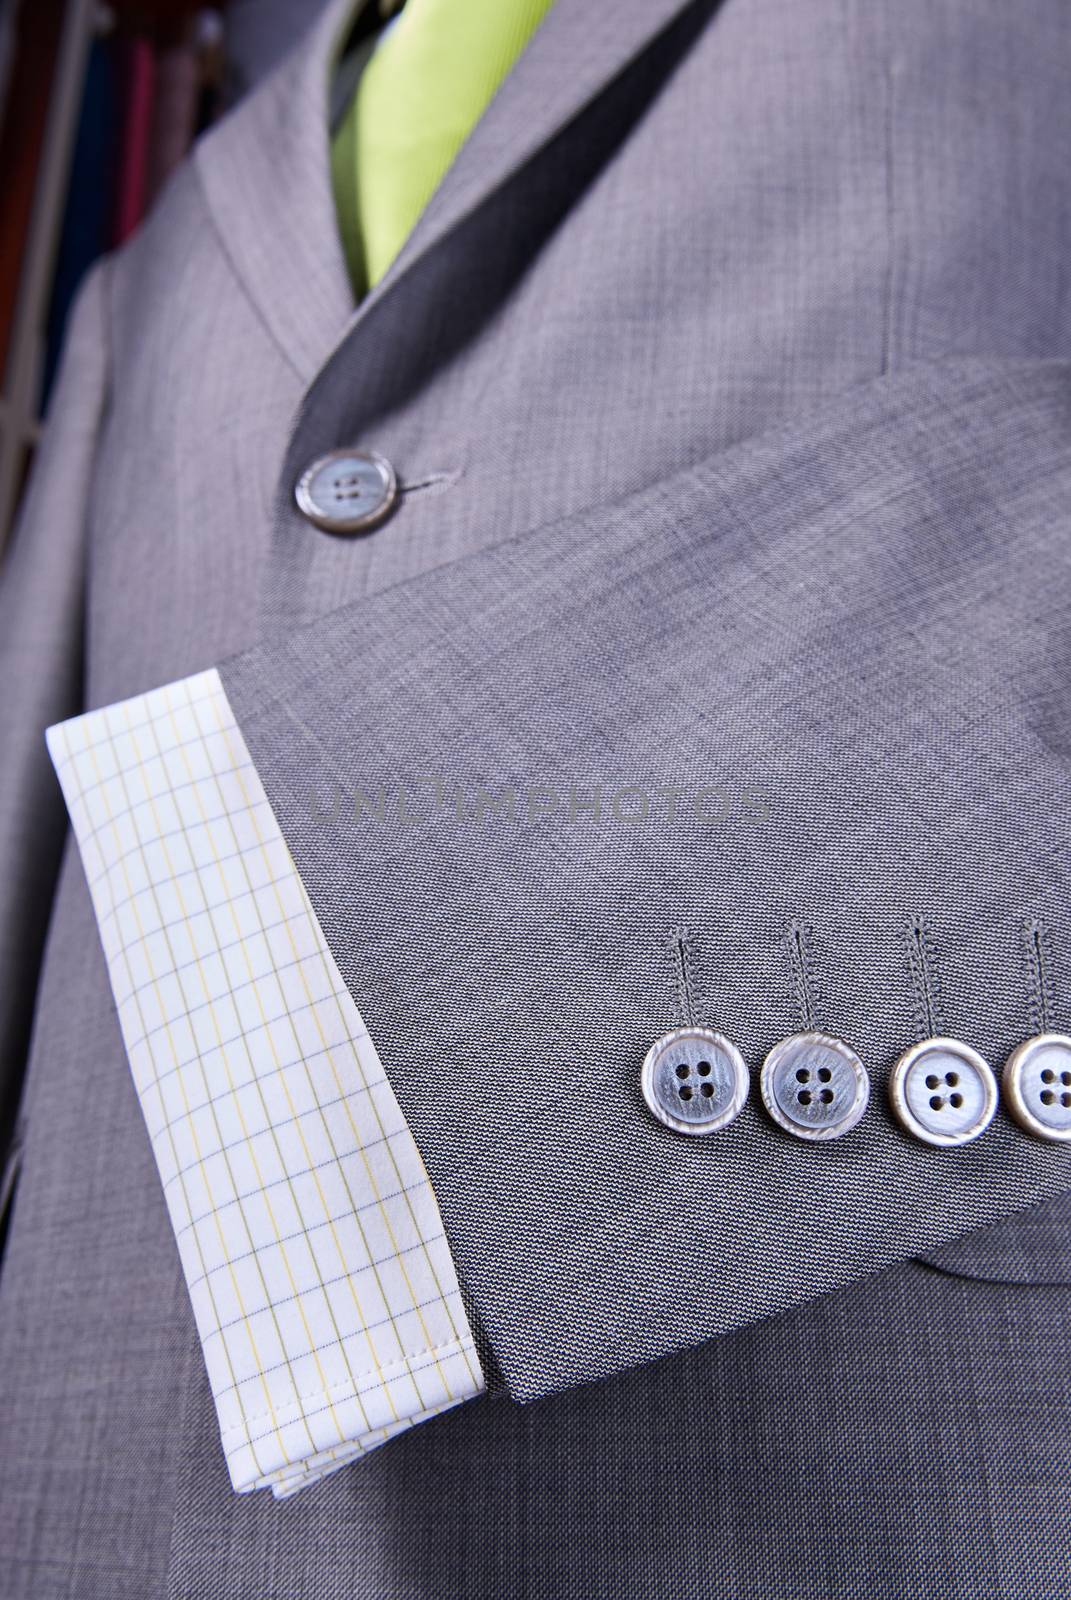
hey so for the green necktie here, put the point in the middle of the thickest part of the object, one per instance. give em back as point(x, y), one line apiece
point(424, 88)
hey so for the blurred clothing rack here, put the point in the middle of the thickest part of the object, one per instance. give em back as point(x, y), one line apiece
point(98, 104)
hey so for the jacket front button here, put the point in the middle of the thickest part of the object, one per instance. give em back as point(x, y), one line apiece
point(943, 1092)
point(813, 1086)
point(1037, 1086)
point(694, 1080)
point(347, 491)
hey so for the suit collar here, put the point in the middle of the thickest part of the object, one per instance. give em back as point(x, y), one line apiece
point(267, 175)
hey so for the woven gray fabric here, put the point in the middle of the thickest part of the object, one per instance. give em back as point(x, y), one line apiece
point(677, 228)
point(905, 1437)
point(714, 632)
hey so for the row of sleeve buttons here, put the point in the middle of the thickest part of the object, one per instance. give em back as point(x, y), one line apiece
point(815, 1087)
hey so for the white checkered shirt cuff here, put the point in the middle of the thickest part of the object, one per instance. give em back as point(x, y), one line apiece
point(321, 1280)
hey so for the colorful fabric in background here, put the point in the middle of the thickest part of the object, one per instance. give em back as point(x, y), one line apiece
point(142, 102)
point(428, 82)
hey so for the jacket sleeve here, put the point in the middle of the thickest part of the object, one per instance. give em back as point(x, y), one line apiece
point(774, 747)
point(778, 745)
point(41, 636)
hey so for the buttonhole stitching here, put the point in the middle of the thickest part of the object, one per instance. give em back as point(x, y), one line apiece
point(680, 956)
point(1037, 955)
point(429, 482)
point(925, 978)
point(799, 946)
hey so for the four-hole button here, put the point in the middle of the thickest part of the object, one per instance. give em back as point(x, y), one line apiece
point(943, 1092)
point(694, 1080)
point(814, 1086)
point(347, 491)
point(1037, 1086)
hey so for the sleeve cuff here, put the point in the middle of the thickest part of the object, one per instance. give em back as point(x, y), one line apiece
point(322, 1284)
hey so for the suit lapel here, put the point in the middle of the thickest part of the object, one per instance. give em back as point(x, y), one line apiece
point(266, 172)
point(266, 168)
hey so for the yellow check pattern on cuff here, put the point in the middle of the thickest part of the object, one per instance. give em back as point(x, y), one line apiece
point(321, 1281)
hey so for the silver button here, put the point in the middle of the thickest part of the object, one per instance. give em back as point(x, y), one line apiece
point(1037, 1085)
point(347, 491)
point(814, 1086)
point(943, 1092)
point(694, 1080)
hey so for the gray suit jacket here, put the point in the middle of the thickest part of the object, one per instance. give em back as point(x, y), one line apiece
point(727, 378)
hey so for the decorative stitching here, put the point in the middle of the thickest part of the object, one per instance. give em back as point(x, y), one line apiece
point(925, 978)
point(680, 955)
point(799, 946)
point(388, 1373)
point(1037, 956)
